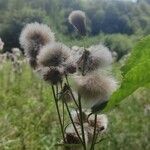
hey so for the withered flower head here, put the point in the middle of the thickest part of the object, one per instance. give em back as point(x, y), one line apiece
point(54, 54)
point(78, 19)
point(72, 137)
point(33, 37)
point(101, 124)
point(51, 75)
point(94, 58)
point(94, 87)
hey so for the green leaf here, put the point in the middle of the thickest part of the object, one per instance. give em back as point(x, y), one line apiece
point(136, 73)
point(140, 53)
point(137, 77)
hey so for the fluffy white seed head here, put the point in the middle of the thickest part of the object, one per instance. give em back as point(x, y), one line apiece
point(52, 75)
point(102, 122)
point(101, 55)
point(95, 57)
point(78, 19)
point(54, 54)
point(72, 137)
point(33, 37)
point(95, 88)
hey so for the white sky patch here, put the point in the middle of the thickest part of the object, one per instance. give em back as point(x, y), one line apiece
point(113, 0)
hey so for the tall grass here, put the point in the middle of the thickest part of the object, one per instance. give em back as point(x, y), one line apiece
point(28, 122)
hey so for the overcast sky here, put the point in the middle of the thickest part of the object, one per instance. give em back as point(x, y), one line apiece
point(130, 0)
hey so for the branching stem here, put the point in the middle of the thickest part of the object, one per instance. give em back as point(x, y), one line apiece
point(70, 116)
point(81, 121)
point(94, 134)
point(58, 112)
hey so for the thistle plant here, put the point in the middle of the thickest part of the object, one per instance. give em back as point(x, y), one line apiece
point(58, 64)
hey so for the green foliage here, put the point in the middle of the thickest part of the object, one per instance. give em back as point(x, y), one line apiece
point(135, 73)
point(27, 116)
point(122, 44)
point(139, 54)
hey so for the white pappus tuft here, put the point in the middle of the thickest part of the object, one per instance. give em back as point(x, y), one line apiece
point(95, 88)
point(33, 37)
point(95, 57)
point(54, 54)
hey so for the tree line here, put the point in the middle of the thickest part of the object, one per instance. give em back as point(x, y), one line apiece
point(115, 20)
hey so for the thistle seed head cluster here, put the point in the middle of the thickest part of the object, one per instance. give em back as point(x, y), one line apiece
point(15, 60)
point(54, 61)
point(78, 19)
point(40, 47)
point(90, 83)
point(88, 124)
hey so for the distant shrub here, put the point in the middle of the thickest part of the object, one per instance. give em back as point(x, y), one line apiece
point(121, 44)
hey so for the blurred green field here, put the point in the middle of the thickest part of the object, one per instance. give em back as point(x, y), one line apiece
point(28, 120)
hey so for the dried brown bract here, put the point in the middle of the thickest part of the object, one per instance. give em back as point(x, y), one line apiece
point(51, 75)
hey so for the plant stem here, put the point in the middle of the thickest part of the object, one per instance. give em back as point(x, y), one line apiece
point(94, 134)
point(63, 115)
point(63, 108)
point(81, 121)
point(58, 112)
point(73, 123)
point(71, 91)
